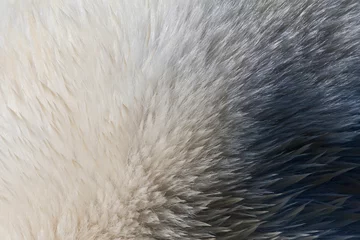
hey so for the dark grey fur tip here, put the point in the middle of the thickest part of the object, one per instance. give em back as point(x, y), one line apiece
point(292, 157)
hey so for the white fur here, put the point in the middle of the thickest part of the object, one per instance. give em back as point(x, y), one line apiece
point(94, 123)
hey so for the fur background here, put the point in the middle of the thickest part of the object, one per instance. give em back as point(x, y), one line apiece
point(179, 119)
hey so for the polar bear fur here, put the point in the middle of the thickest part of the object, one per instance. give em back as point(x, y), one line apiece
point(179, 119)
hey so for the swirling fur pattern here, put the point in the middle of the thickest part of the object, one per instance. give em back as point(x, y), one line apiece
point(179, 119)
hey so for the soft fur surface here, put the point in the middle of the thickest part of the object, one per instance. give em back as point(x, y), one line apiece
point(179, 119)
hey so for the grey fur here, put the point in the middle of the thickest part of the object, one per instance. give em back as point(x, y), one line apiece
point(287, 77)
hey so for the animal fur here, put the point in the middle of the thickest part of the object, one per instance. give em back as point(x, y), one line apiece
point(179, 119)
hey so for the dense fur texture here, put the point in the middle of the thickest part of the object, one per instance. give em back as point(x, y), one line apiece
point(179, 119)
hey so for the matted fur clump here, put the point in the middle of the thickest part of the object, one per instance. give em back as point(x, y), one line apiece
point(168, 120)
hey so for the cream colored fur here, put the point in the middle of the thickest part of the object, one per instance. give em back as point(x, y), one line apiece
point(94, 125)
